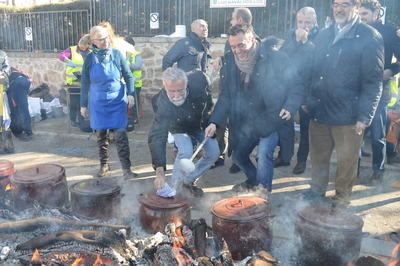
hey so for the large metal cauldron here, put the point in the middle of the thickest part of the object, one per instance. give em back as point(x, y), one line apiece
point(243, 222)
point(329, 236)
point(156, 212)
point(6, 172)
point(96, 198)
point(44, 183)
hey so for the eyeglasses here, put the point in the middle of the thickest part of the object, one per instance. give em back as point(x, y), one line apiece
point(101, 40)
point(342, 5)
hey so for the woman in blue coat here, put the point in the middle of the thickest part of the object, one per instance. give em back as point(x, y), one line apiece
point(106, 98)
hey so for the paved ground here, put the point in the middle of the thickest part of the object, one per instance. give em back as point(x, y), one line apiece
point(55, 142)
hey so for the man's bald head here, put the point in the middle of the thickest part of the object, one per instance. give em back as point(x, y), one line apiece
point(241, 16)
point(200, 28)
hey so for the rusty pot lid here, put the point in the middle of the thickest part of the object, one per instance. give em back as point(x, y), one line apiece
point(241, 209)
point(39, 173)
point(95, 187)
point(324, 215)
point(6, 168)
point(153, 201)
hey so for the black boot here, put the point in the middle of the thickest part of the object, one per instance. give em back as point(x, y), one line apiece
point(103, 143)
point(122, 143)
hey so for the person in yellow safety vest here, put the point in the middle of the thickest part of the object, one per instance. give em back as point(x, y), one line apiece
point(394, 91)
point(74, 57)
point(135, 62)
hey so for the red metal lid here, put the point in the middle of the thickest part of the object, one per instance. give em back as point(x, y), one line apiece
point(39, 173)
point(6, 168)
point(95, 187)
point(156, 202)
point(324, 215)
point(241, 209)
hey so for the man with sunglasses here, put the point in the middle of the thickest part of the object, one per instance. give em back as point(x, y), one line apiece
point(345, 92)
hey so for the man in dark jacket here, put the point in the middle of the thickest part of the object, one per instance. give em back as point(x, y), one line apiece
point(191, 52)
point(299, 47)
point(260, 90)
point(182, 110)
point(345, 91)
point(369, 14)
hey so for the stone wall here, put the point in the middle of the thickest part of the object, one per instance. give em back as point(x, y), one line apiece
point(45, 67)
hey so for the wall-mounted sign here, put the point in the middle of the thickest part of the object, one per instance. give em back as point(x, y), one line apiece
point(237, 3)
point(28, 34)
point(154, 21)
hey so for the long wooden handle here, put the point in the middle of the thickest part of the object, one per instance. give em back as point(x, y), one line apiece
point(199, 148)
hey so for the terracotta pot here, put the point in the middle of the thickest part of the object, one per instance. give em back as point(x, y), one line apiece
point(96, 199)
point(6, 172)
point(243, 222)
point(329, 236)
point(44, 183)
point(156, 212)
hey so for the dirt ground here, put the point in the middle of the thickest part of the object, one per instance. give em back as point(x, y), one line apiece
point(55, 142)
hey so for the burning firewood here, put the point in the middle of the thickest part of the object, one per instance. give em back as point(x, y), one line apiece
point(262, 258)
point(84, 236)
point(49, 222)
point(199, 228)
point(36, 259)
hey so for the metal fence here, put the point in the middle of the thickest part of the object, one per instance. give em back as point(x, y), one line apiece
point(49, 31)
point(57, 30)
point(133, 17)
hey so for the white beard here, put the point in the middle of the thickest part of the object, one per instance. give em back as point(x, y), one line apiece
point(180, 101)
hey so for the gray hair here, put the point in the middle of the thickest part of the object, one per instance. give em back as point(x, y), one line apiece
point(98, 31)
point(244, 13)
point(307, 10)
point(197, 21)
point(173, 74)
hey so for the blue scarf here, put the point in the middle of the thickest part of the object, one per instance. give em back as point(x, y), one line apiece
point(103, 55)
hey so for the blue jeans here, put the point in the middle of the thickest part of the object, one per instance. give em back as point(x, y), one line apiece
point(265, 163)
point(378, 138)
point(184, 144)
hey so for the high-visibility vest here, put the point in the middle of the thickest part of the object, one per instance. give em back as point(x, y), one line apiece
point(394, 91)
point(136, 73)
point(77, 59)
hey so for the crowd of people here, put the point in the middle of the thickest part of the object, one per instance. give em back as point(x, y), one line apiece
point(341, 80)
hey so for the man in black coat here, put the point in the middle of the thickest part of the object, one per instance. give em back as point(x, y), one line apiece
point(299, 47)
point(345, 91)
point(182, 109)
point(191, 52)
point(369, 14)
point(260, 90)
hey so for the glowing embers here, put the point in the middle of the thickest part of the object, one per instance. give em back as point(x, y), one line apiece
point(71, 258)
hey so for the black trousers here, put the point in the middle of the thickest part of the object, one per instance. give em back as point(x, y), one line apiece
point(304, 146)
point(286, 141)
point(122, 143)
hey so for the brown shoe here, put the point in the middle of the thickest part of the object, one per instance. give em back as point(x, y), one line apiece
point(104, 170)
point(128, 174)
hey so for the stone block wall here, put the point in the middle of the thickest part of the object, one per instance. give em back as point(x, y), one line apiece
point(45, 67)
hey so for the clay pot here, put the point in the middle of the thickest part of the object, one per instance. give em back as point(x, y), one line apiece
point(96, 199)
point(44, 183)
point(156, 212)
point(6, 172)
point(243, 222)
point(329, 236)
